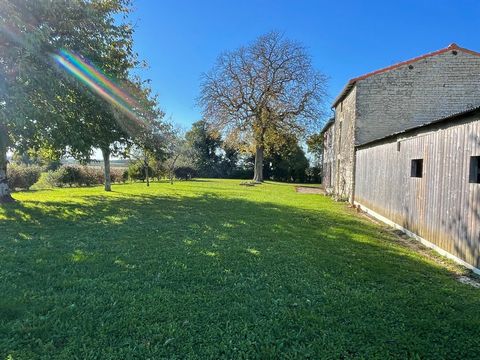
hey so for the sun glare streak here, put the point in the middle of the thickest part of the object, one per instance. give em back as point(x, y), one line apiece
point(98, 82)
point(96, 76)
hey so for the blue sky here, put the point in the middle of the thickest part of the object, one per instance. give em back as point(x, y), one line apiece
point(180, 39)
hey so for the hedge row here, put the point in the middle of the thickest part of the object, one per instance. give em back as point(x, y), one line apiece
point(75, 175)
point(24, 176)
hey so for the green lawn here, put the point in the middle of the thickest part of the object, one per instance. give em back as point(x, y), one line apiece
point(211, 269)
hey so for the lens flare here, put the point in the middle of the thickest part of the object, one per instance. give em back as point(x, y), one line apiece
point(94, 79)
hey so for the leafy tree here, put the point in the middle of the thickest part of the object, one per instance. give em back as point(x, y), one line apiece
point(314, 174)
point(131, 114)
point(230, 160)
point(39, 106)
point(264, 87)
point(26, 74)
point(315, 147)
point(47, 157)
point(116, 132)
point(185, 173)
point(150, 141)
point(285, 160)
point(205, 147)
point(139, 170)
point(4, 188)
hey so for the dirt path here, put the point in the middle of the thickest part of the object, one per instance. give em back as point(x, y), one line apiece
point(309, 190)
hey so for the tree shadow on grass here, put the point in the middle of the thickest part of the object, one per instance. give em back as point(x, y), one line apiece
point(207, 276)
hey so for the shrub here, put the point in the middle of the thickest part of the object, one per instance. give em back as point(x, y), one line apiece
point(118, 175)
point(136, 171)
point(72, 175)
point(76, 175)
point(125, 175)
point(46, 181)
point(23, 176)
point(56, 178)
point(241, 173)
point(185, 173)
point(91, 176)
point(53, 165)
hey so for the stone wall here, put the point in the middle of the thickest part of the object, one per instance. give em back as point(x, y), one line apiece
point(416, 93)
point(328, 179)
point(344, 149)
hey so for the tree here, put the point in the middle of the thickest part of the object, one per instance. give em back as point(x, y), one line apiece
point(149, 151)
point(118, 129)
point(179, 153)
point(38, 106)
point(122, 111)
point(4, 189)
point(140, 170)
point(230, 160)
point(285, 160)
point(269, 85)
point(205, 146)
point(315, 147)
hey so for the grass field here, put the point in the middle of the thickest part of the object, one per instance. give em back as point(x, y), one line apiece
point(211, 269)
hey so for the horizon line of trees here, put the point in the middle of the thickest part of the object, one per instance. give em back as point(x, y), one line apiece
point(210, 155)
point(204, 154)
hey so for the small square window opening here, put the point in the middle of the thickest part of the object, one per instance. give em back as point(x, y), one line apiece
point(417, 168)
point(475, 169)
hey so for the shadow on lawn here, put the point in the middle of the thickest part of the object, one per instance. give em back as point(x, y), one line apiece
point(322, 280)
point(223, 229)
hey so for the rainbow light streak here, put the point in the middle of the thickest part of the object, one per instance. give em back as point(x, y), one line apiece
point(98, 82)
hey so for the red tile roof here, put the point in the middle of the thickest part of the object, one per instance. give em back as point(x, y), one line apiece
point(352, 82)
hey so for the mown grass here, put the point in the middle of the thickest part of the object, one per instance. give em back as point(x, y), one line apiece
point(211, 269)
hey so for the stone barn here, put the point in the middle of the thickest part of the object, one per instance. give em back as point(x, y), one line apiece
point(426, 182)
point(328, 133)
point(398, 97)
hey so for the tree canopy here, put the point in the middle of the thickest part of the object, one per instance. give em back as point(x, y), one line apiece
point(67, 84)
point(266, 87)
point(205, 145)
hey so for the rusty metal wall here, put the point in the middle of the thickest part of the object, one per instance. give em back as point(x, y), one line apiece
point(442, 207)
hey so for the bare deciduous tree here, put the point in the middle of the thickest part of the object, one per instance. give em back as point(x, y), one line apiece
point(178, 151)
point(267, 87)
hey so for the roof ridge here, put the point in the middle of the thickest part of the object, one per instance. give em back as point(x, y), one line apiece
point(351, 82)
point(452, 46)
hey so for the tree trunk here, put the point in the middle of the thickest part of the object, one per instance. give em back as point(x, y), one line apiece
point(172, 169)
point(146, 172)
point(5, 196)
point(106, 169)
point(258, 172)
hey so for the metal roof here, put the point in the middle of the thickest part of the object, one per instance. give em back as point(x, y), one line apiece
point(460, 114)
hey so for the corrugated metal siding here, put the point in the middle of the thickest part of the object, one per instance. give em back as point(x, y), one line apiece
point(442, 206)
